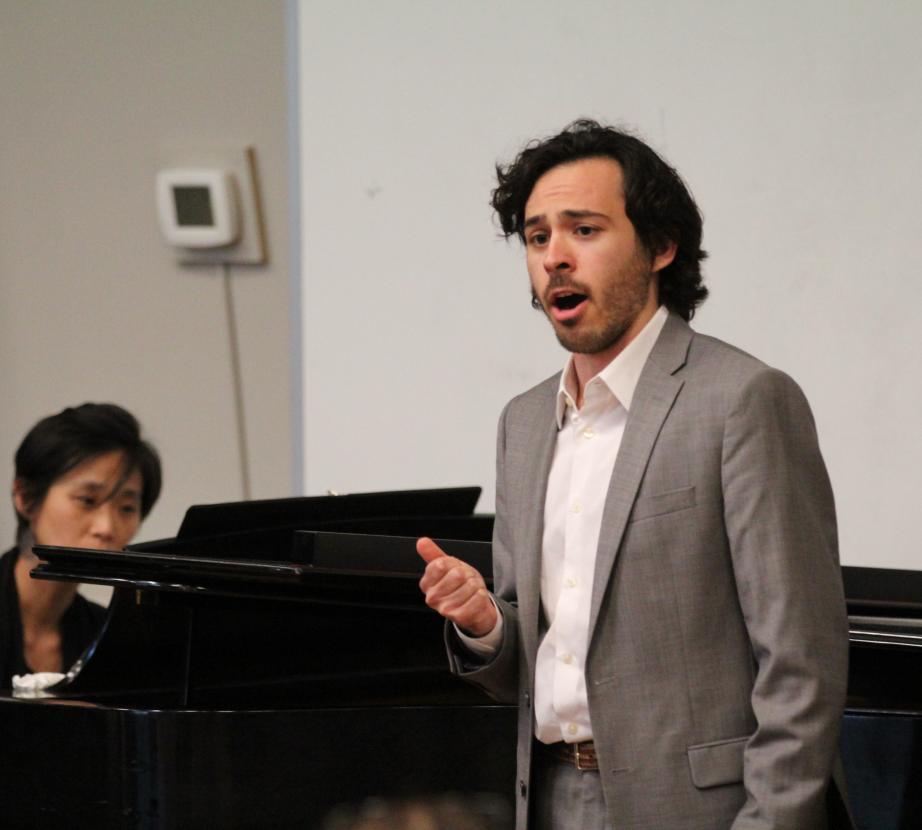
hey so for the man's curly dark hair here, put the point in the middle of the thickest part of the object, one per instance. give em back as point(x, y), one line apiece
point(656, 201)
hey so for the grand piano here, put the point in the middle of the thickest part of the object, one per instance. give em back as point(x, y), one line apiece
point(271, 662)
point(276, 660)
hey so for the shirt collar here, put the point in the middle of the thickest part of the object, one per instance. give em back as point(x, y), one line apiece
point(622, 374)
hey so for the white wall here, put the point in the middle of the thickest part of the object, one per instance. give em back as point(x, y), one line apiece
point(92, 303)
point(796, 126)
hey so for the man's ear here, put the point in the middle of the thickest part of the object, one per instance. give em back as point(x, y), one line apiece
point(664, 257)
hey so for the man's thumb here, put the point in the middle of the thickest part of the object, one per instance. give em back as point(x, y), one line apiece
point(428, 549)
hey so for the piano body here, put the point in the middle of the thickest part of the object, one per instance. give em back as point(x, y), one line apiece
point(276, 659)
point(882, 728)
point(251, 674)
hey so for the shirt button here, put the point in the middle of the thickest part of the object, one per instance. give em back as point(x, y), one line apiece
point(588, 432)
point(577, 507)
point(570, 582)
point(572, 729)
point(567, 658)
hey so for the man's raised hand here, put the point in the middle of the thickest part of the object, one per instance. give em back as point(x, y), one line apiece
point(456, 590)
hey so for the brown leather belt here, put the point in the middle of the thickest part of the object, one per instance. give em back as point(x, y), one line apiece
point(581, 755)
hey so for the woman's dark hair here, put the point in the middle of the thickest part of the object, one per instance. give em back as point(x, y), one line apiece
point(656, 201)
point(59, 443)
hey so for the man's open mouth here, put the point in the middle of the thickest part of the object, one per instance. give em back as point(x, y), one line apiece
point(567, 302)
point(566, 307)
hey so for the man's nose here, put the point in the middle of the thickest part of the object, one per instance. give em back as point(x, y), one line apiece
point(557, 255)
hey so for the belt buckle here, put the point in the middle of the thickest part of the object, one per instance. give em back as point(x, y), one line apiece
point(576, 758)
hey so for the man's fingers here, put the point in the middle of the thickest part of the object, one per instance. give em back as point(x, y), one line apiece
point(443, 575)
point(455, 590)
point(476, 616)
point(428, 549)
point(450, 604)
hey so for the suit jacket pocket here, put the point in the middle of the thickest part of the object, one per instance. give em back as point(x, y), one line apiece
point(656, 505)
point(717, 762)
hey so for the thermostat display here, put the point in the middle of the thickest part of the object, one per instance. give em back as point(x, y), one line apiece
point(193, 207)
point(198, 207)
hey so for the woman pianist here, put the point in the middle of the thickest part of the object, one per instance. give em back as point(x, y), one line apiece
point(84, 478)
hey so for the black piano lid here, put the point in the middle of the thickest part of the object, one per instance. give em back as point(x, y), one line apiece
point(258, 549)
point(883, 592)
point(118, 566)
point(361, 552)
point(214, 519)
point(341, 568)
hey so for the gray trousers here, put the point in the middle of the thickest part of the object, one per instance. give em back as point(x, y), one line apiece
point(565, 798)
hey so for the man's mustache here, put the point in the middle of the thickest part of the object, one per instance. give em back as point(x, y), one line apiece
point(556, 281)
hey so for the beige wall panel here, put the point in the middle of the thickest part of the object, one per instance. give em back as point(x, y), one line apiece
point(93, 305)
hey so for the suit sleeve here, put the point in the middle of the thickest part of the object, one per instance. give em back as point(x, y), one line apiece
point(781, 526)
point(499, 676)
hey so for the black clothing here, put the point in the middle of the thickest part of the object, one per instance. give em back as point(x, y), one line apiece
point(79, 625)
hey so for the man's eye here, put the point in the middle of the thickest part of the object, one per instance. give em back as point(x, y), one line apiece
point(86, 501)
point(585, 230)
point(537, 239)
point(129, 509)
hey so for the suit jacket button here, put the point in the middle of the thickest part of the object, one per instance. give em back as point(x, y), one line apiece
point(523, 790)
point(527, 699)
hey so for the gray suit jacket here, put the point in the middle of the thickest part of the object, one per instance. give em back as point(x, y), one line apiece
point(717, 662)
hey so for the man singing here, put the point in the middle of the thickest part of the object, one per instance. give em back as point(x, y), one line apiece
point(667, 609)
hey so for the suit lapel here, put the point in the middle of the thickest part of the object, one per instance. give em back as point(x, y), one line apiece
point(654, 396)
point(541, 441)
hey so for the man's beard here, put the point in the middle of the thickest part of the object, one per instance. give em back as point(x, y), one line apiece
point(620, 300)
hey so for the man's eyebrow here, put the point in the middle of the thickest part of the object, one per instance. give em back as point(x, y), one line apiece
point(570, 214)
point(585, 214)
point(533, 220)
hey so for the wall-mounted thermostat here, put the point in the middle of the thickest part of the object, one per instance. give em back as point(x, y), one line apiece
point(198, 207)
point(209, 205)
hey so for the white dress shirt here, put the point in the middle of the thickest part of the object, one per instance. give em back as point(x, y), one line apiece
point(588, 440)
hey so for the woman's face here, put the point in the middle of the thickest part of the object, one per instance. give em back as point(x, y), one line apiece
point(81, 510)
